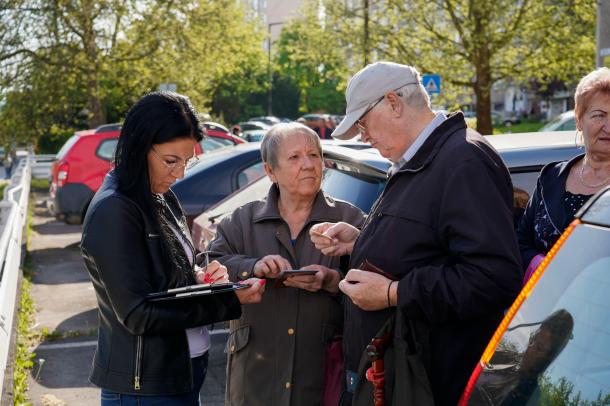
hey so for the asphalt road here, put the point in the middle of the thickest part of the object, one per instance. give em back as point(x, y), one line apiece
point(65, 305)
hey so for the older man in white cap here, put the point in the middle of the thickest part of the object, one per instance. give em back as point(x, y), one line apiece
point(441, 231)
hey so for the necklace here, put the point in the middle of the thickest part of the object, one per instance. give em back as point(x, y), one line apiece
point(589, 185)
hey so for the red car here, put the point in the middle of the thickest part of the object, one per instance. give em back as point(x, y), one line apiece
point(83, 161)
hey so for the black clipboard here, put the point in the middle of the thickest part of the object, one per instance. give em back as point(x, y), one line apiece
point(194, 291)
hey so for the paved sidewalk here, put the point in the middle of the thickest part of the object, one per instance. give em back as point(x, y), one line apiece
point(65, 304)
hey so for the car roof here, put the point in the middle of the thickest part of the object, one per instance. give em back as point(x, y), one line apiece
point(83, 133)
point(215, 126)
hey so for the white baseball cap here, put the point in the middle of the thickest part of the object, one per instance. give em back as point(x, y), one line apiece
point(367, 87)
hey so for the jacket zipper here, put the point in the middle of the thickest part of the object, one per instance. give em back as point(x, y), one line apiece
point(136, 383)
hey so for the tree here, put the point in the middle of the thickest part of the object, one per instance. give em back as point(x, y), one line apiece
point(86, 61)
point(473, 44)
point(309, 55)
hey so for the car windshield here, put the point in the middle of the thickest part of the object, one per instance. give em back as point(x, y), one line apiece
point(556, 350)
point(560, 123)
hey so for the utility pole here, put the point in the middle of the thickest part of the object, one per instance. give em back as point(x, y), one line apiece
point(603, 34)
point(365, 39)
point(269, 70)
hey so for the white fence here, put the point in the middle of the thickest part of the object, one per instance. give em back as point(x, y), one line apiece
point(13, 215)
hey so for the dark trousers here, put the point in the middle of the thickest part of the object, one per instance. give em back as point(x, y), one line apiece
point(200, 368)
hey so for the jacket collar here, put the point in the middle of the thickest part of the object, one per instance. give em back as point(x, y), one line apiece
point(427, 152)
point(552, 186)
point(324, 208)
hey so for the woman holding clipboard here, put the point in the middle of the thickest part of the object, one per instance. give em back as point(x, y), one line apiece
point(135, 243)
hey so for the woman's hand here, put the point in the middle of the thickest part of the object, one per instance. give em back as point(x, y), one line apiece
point(253, 294)
point(326, 278)
point(270, 266)
point(213, 273)
point(334, 239)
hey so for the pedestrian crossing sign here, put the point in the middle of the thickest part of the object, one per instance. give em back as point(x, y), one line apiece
point(432, 83)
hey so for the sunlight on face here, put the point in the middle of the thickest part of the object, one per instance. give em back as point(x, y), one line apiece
point(162, 157)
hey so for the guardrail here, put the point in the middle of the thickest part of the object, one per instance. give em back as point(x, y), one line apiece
point(13, 214)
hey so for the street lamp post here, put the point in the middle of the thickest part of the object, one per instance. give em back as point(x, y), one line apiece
point(269, 72)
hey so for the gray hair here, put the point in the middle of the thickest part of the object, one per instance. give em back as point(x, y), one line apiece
point(278, 133)
point(414, 94)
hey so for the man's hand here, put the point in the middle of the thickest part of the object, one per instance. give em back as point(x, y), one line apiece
point(254, 294)
point(334, 239)
point(326, 279)
point(368, 290)
point(270, 266)
point(213, 273)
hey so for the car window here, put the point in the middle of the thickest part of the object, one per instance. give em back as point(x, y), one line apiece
point(556, 349)
point(223, 141)
point(249, 174)
point(569, 125)
point(66, 147)
point(359, 190)
point(210, 144)
point(106, 149)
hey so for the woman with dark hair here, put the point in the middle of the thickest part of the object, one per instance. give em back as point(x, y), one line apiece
point(135, 242)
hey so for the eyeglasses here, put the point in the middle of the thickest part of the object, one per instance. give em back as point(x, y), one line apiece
point(176, 163)
point(361, 124)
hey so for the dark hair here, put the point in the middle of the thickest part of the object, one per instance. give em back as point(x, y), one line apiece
point(156, 118)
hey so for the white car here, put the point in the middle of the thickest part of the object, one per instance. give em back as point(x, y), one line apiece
point(563, 122)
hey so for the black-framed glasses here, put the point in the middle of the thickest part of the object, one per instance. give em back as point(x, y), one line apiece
point(177, 163)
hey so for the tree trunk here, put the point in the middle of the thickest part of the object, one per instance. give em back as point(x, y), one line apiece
point(482, 91)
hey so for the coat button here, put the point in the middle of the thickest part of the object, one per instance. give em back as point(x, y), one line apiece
point(290, 331)
point(232, 348)
point(244, 274)
point(288, 385)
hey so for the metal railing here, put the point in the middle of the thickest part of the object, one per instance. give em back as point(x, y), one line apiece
point(13, 216)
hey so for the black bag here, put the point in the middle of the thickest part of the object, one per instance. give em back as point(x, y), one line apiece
point(406, 380)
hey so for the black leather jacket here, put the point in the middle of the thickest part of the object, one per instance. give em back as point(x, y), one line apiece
point(142, 346)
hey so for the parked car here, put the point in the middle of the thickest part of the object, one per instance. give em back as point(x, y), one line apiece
point(505, 118)
point(553, 346)
point(216, 175)
point(269, 120)
point(253, 125)
point(222, 172)
point(359, 175)
point(253, 135)
point(78, 171)
point(81, 164)
point(563, 122)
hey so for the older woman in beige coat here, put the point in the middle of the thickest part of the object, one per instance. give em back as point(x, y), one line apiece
point(276, 350)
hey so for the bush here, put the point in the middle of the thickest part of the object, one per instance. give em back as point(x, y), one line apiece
point(51, 142)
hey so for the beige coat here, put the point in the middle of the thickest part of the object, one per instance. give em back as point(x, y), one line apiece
point(276, 349)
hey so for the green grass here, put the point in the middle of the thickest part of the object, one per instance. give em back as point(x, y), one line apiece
point(26, 338)
point(39, 184)
point(525, 126)
point(3, 185)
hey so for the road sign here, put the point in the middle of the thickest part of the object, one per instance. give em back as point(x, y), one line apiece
point(432, 83)
point(168, 87)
